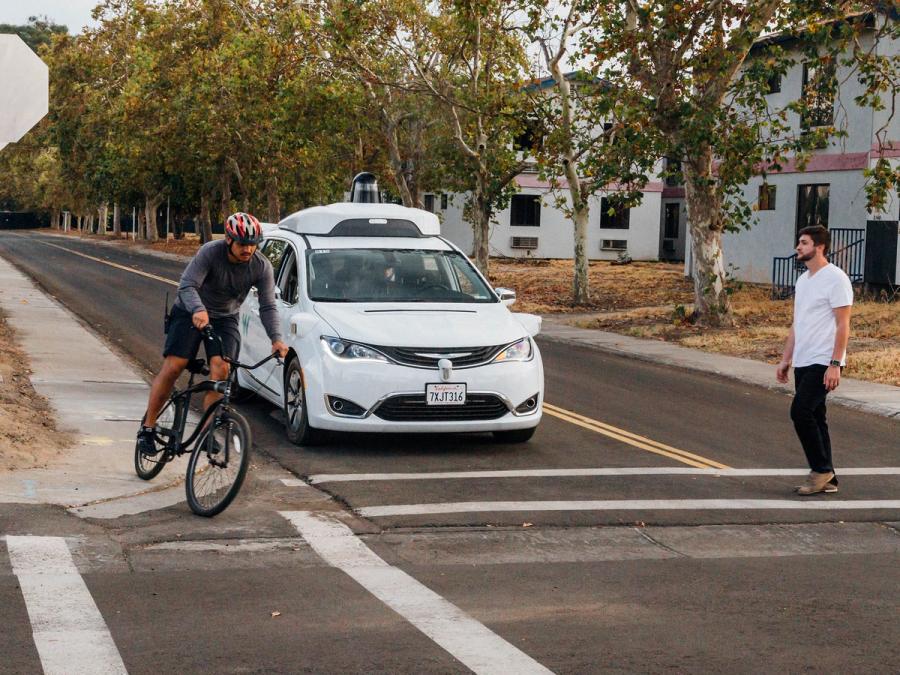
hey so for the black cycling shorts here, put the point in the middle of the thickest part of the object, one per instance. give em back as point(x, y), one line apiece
point(183, 339)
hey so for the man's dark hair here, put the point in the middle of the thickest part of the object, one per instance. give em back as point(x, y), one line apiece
point(819, 234)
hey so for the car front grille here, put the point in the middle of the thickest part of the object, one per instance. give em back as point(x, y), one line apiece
point(427, 357)
point(412, 408)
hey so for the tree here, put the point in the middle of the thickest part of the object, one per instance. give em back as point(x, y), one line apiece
point(37, 33)
point(578, 144)
point(678, 67)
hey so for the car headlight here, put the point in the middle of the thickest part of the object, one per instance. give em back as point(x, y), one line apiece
point(518, 351)
point(344, 349)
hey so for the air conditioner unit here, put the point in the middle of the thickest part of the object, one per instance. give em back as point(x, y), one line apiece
point(613, 244)
point(524, 242)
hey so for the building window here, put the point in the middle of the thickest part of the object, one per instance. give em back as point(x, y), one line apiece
point(673, 173)
point(671, 224)
point(819, 85)
point(614, 215)
point(812, 205)
point(525, 210)
point(766, 201)
point(443, 201)
point(529, 138)
point(773, 84)
point(429, 203)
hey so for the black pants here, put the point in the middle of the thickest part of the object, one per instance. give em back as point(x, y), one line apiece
point(808, 414)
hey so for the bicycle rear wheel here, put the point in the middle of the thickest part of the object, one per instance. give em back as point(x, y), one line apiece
point(149, 466)
point(218, 465)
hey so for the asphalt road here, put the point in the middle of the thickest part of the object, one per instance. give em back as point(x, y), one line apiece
point(620, 587)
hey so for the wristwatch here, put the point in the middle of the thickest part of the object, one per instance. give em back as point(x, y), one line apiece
point(834, 362)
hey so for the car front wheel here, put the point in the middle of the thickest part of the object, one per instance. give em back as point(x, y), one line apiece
point(296, 418)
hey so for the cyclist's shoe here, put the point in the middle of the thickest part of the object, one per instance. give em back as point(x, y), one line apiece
point(146, 442)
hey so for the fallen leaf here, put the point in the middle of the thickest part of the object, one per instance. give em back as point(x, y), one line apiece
point(274, 614)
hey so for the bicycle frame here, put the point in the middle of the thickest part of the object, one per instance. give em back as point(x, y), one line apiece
point(175, 445)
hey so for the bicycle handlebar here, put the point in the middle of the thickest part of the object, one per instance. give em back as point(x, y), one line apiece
point(210, 334)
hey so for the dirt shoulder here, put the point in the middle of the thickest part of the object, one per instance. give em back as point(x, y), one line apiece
point(651, 300)
point(28, 434)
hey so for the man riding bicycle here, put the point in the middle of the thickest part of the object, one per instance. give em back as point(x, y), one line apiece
point(211, 291)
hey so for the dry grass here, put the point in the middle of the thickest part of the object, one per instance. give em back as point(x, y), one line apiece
point(545, 286)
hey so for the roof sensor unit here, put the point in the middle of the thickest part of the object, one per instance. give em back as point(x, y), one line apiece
point(364, 189)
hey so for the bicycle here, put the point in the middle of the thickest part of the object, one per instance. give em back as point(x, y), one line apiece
point(221, 441)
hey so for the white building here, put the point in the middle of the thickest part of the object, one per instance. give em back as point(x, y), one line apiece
point(830, 190)
point(533, 226)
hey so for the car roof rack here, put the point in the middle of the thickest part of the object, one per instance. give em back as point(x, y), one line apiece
point(353, 219)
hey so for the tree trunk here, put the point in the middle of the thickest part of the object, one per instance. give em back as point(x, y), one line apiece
point(141, 224)
point(54, 219)
point(178, 219)
point(103, 218)
point(273, 204)
point(704, 213)
point(205, 221)
point(80, 224)
point(481, 223)
point(151, 206)
point(580, 282)
point(117, 220)
point(225, 186)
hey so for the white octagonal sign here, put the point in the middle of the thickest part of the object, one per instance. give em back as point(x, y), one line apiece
point(24, 89)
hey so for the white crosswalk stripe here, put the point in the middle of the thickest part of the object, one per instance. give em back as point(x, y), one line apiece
point(69, 632)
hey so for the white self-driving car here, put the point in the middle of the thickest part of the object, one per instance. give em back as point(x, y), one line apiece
point(391, 329)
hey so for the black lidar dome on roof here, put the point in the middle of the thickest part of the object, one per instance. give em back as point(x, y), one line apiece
point(364, 189)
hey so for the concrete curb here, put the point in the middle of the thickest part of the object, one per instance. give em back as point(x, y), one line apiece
point(869, 397)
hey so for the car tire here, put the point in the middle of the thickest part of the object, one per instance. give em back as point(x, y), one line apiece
point(296, 417)
point(514, 435)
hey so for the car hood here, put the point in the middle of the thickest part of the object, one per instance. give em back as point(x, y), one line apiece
point(464, 325)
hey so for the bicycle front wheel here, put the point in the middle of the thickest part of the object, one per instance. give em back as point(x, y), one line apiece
point(218, 465)
point(148, 466)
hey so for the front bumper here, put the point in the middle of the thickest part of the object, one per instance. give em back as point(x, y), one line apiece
point(372, 385)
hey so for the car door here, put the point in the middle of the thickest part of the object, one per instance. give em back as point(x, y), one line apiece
point(270, 374)
point(255, 343)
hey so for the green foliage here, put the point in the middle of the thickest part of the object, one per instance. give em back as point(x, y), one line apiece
point(37, 33)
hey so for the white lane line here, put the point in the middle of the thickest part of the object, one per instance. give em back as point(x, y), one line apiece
point(540, 473)
point(477, 647)
point(69, 632)
point(125, 268)
point(625, 505)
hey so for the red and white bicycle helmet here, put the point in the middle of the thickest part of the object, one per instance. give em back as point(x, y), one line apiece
point(243, 228)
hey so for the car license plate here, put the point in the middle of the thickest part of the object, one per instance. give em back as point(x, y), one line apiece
point(445, 394)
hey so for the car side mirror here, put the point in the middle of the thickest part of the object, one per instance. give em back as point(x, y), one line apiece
point(507, 295)
point(302, 323)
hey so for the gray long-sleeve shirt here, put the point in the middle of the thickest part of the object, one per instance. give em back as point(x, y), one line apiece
point(212, 282)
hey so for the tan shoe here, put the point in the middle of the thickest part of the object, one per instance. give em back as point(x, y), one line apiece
point(818, 482)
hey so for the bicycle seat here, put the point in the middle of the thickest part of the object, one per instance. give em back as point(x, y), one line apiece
point(198, 367)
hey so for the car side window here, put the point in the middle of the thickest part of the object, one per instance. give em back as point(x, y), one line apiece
point(274, 250)
point(288, 283)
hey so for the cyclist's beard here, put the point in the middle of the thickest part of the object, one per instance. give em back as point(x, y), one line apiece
point(240, 257)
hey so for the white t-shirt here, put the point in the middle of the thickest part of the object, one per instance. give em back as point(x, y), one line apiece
point(815, 299)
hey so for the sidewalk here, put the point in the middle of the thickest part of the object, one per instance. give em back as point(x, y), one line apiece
point(96, 396)
point(870, 397)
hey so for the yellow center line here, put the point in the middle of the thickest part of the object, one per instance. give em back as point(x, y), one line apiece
point(633, 439)
point(111, 264)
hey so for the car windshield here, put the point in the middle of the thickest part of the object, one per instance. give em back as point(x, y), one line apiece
point(381, 275)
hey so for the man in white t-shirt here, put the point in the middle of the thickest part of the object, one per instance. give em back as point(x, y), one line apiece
point(817, 348)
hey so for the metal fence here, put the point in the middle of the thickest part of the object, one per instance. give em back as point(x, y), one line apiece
point(847, 252)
